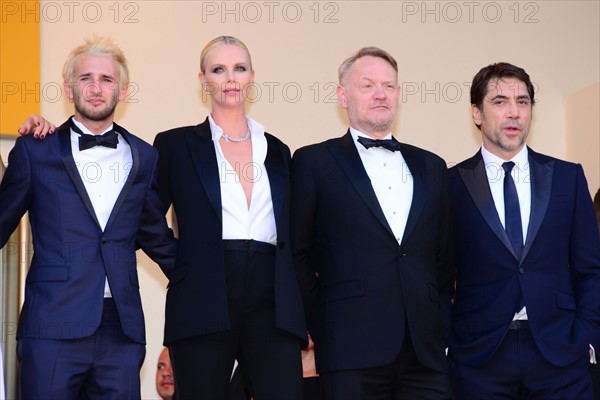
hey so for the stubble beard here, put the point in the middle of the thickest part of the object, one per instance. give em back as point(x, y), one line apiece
point(508, 146)
point(381, 125)
point(101, 114)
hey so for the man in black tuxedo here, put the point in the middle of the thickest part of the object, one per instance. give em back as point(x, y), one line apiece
point(369, 223)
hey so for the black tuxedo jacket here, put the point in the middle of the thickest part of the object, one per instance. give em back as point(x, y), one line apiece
point(362, 289)
point(189, 179)
point(558, 274)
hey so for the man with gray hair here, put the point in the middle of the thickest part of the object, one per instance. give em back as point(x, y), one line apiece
point(369, 226)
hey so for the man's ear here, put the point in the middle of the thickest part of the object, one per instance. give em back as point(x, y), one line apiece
point(341, 94)
point(476, 114)
point(123, 92)
point(67, 86)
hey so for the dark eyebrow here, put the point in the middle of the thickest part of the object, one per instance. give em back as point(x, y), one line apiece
point(503, 97)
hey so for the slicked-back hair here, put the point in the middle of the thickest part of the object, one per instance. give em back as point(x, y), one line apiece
point(219, 40)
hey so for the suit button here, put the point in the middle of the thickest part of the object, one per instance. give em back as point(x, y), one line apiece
point(103, 240)
point(281, 245)
point(521, 270)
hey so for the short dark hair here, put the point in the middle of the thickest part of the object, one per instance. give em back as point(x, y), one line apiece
point(479, 87)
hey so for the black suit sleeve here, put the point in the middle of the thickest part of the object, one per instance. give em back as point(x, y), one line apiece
point(302, 233)
point(154, 235)
point(446, 272)
point(161, 143)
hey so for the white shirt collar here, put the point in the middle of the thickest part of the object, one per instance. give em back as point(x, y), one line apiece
point(520, 159)
point(356, 134)
point(86, 130)
point(256, 129)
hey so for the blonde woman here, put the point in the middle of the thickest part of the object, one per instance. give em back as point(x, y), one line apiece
point(233, 294)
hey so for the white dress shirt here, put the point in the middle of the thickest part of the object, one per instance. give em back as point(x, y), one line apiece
point(103, 171)
point(391, 180)
point(521, 176)
point(256, 222)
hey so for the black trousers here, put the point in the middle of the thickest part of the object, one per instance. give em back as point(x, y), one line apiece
point(405, 378)
point(269, 358)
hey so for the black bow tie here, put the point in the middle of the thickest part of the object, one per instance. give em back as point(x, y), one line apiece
point(389, 144)
point(109, 139)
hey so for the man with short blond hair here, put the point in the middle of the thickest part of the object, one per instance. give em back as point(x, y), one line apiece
point(90, 193)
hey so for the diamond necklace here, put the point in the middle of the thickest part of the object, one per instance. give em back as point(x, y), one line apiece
point(236, 139)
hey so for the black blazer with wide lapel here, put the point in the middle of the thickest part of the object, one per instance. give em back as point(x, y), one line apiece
point(339, 232)
point(189, 180)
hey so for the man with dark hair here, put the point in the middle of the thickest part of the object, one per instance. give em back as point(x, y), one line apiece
point(369, 227)
point(527, 303)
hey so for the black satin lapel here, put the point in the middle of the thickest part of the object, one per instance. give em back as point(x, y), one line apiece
point(64, 133)
point(345, 153)
point(135, 166)
point(204, 157)
point(277, 175)
point(417, 170)
point(541, 187)
point(475, 180)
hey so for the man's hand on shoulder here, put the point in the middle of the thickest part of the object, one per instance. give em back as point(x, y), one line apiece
point(37, 125)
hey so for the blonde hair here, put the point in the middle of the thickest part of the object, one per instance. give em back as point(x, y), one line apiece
point(98, 46)
point(365, 52)
point(219, 41)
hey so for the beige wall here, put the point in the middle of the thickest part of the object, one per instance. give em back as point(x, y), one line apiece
point(583, 132)
point(296, 49)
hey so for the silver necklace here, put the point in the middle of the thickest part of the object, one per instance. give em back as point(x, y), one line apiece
point(236, 139)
